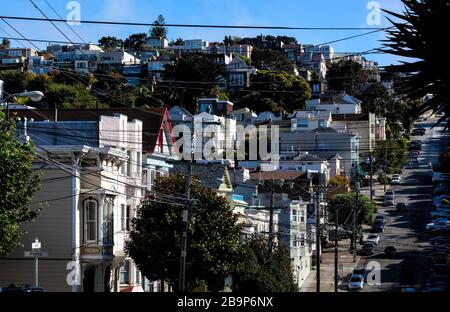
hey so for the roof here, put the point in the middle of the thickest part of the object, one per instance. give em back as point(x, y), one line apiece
point(309, 157)
point(277, 175)
point(322, 130)
point(351, 117)
point(152, 119)
point(210, 175)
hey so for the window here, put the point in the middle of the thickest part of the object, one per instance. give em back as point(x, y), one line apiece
point(90, 220)
point(321, 123)
point(302, 216)
point(129, 217)
point(108, 222)
point(302, 123)
point(295, 216)
point(324, 147)
point(302, 239)
point(138, 164)
point(125, 273)
point(128, 173)
point(123, 217)
point(296, 241)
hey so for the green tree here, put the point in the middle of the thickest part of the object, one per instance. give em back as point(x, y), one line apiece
point(18, 185)
point(376, 99)
point(135, 42)
point(348, 76)
point(110, 43)
point(414, 36)
point(258, 102)
point(264, 272)
point(178, 42)
point(345, 204)
point(6, 43)
point(15, 81)
point(69, 96)
point(287, 90)
point(213, 251)
point(263, 58)
point(159, 30)
point(195, 75)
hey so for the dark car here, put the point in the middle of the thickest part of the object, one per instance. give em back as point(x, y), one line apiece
point(400, 207)
point(368, 249)
point(418, 131)
point(342, 234)
point(390, 250)
point(19, 289)
point(380, 218)
point(361, 271)
point(378, 227)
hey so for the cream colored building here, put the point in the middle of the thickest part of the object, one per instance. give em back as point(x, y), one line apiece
point(90, 188)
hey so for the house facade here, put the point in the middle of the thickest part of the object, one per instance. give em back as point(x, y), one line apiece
point(86, 220)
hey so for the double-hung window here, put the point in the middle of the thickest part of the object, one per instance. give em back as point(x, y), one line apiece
point(125, 273)
point(90, 213)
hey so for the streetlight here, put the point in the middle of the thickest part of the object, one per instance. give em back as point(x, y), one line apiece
point(35, 96)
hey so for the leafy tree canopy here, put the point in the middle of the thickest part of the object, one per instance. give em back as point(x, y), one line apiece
point(345, 204)
point(264, 272)
point(18, 185)
point(264, 58)
point(135, 42)
point(110, 43)
point(285, 89)
point(195, 75)
point(414, 36)
point(159, 30)
point(214, 250)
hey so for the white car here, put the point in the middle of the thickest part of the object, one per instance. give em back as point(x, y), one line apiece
point(375, 238)
point(389, 200)
point(356, 282)
point(396, 178)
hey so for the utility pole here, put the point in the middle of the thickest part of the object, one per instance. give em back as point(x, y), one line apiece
point(316, 209)
point(336, 249)
point(272, 207)
point(371, 177)
point(185, 221)
point(385, 166)
point(354, 212)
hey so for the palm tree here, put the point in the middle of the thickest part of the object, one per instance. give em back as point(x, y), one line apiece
point(420, 34)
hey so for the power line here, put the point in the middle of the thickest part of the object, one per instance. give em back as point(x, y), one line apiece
point(193, 25)
point(57, 14)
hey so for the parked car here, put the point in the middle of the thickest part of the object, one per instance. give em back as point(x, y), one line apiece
point(361, 271)
point(380, 218)
point(414, 154)
point(378, 227)
point(412, 164)
point(439, 256)
point(400, 207)
point(439, 269)
point(390, 250)
point(396, 179)
point(440, 213)
point(438, 224)
point(368, 249)
point(356, 282)
point(18, 289)
point(389, 200)
point(373, 238)
point(418, 131)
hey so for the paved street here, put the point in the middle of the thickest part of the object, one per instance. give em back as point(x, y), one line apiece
point(405, 231)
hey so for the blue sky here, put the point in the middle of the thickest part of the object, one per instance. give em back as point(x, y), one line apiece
point(297, 13)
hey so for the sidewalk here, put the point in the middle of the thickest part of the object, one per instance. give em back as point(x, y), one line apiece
point(345, 268)
point(345, 261)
